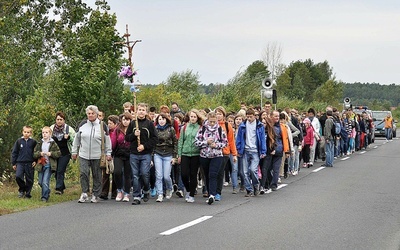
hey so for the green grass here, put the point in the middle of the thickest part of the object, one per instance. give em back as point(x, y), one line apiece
point(10, 203)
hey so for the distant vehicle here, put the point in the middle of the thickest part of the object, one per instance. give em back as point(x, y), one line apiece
point(378, 117)
point(360, 110)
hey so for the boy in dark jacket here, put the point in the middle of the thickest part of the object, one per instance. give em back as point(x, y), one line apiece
point(23, 162)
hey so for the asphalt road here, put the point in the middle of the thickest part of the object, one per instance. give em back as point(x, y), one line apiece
point(354, 205)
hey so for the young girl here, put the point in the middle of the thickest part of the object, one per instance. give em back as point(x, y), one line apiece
point(211, 139)
point(307, 142)
point(189, 154)
point(166, 149)
point(121, 148)
point(47, 152)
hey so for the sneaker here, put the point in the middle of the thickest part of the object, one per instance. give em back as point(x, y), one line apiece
point(226, 184)
point(249, 194)
point(234, 191)
point(262, 190)
point(279, 180)
point(175, 187)
point(179, 193)
point(305, 165)
point(84, 197)
point(168, 194)
point(153, 192)
point(94, 199)
point(274, 188)
point(119, 196)
point(217, 197)
point(256, 191)
point(210, 199)
point(160, 198)
point(44, 199)
point(59, 192)
point(241, 189)
point(295, 172)
point(136, 201)
point(126, 198)
point(21, 194)
point(187, 196)
point(200, 184)
point(205, 194)
point(145, 197)
point(190, 199)
point(28, 196)
point(268, 191)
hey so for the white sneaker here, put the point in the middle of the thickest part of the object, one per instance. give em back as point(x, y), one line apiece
point(84, 197)
point(187, 196)
point(200, 184)
point(226, 184)
point(279, 180)
point(126, 198)
point(168, 194)
point(94, 199)
point(268, 191)
point(190, 199)
point(160, 198)
point(119, 197)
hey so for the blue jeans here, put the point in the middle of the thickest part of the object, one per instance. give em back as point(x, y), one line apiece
point(140, 165)
point(329, 147)
point(62, 164)
point(163, 171)
point(234, 174)
point(250, 170)
point(294, 160)
point(44, 181)
point(388, 133)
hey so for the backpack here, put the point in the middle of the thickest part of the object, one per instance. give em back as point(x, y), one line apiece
point(203, 129)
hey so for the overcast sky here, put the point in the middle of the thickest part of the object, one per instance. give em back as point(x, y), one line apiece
point(359, 39)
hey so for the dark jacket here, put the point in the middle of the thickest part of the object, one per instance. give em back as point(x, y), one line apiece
point(22, 151)
point(167, 143)
point(148, 136)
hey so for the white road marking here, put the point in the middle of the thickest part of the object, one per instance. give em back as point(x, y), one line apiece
point(281, 186)
point(376, 147)
point(318, 169)
point(186, 225)
point(363, 152)
point(345, 158)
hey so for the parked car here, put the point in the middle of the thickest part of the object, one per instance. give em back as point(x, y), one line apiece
point(378, 117)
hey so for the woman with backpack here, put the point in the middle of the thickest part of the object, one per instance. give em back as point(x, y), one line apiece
point(211, 139)
point(189, 154)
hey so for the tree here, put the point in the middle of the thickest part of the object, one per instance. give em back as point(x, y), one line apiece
point(186, 84)
point(272, 57)
point(330, 92)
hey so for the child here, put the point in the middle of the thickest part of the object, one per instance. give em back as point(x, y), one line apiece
point(23, 163)
point(46, 153)
point(308, 141)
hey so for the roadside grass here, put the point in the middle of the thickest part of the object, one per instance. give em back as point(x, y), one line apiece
point(10, 203)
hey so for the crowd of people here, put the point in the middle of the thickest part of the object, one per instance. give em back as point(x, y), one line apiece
point(158, 153)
